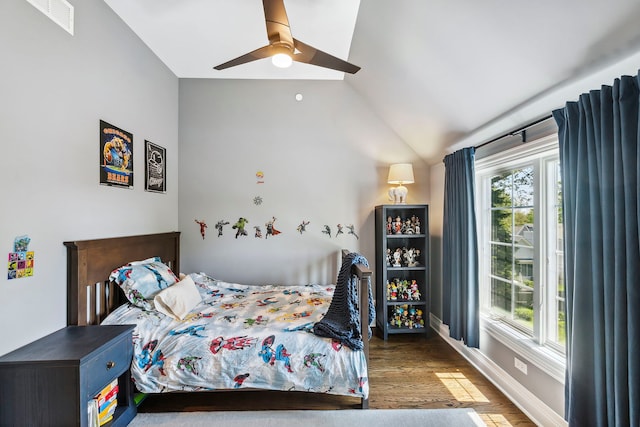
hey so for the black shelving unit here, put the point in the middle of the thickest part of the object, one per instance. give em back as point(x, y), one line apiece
point(402, 267)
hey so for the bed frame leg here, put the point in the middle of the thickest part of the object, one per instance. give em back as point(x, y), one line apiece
point(364, 403)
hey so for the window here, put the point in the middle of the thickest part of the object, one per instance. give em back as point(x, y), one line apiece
point(519, 211)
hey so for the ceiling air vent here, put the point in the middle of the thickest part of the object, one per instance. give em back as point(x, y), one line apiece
point(59, 11)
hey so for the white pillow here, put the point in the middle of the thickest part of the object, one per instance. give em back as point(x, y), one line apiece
point(178, 300)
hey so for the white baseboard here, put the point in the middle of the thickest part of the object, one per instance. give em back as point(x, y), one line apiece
point(527, 402)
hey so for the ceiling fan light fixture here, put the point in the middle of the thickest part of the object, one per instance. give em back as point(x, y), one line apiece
point(284, 49)
point(281, 60)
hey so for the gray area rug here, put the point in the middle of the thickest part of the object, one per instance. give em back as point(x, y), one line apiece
point(338, 418)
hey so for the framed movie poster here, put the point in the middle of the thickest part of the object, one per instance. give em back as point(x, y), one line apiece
point(155, 167)
point(116, 156)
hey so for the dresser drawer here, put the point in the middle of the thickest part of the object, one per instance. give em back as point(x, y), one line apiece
point(111, 362)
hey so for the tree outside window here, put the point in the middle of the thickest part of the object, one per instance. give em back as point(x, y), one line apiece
point(512, 246)
point(520, 229)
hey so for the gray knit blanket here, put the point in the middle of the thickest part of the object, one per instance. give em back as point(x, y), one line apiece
point(342, 319)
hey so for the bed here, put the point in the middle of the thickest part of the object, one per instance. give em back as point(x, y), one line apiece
point(232, 337)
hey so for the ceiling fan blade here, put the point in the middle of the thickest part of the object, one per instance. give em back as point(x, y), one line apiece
point(263, 52)
point(281, 41)
point(310, 55)
point(275, 16)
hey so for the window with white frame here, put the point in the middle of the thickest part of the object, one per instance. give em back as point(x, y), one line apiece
point(519, 213)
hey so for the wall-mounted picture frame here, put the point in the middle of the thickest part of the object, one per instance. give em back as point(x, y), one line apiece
point(116, 156)
point(155, 168)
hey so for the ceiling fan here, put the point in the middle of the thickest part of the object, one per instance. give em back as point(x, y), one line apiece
point(283, 48)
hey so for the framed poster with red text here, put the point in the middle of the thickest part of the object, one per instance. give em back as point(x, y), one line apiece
point(116, 156)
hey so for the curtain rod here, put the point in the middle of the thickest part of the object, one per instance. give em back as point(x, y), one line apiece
point(522, 131)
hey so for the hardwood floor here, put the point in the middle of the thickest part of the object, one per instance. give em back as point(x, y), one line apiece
point(409, 371)
point(406, 371)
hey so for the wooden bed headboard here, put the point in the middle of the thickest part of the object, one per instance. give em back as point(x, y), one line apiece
point(89, 263)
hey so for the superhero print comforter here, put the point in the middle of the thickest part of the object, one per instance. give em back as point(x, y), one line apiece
point(243, 336)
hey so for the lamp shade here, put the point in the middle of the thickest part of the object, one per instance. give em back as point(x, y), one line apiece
point(401, 173)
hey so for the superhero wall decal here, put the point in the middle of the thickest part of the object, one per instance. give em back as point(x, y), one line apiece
point(263, 229)
point(242, 225)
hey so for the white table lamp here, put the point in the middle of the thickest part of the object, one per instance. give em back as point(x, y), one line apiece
point(400, 173)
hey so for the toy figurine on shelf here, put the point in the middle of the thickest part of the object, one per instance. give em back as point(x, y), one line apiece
point(389, 257)
point(398, 316)
point(393, 291)
point(410, 255)
point(400, 287)
point(414, 291)
point(419, 320)
point(397, 225)
point(407, 227)
point(389, 225)
point(412, 317)
point(397, 258)
point(405, 291)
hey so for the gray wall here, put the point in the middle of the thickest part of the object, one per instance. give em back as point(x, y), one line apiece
point(54, 89)
point(325, 160)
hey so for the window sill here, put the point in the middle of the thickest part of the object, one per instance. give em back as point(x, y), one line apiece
point(549, 361)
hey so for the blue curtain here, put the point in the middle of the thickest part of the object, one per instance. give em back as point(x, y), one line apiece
point(460, 306)
point(599, 157)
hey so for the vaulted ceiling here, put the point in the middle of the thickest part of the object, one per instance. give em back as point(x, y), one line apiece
point(434, 70)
